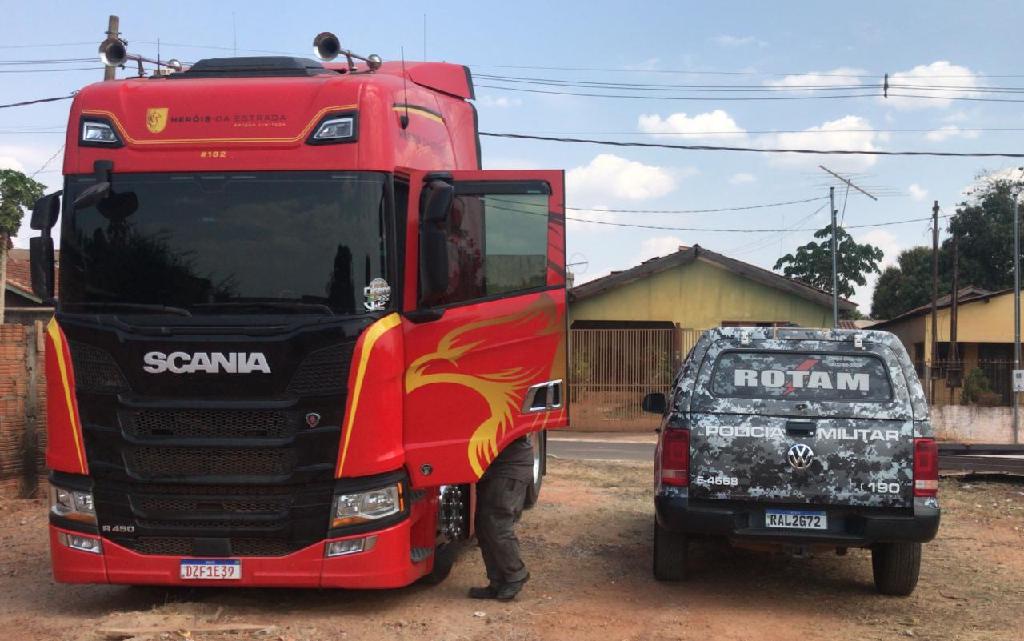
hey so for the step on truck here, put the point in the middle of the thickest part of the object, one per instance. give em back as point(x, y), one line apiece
point(797, 439)
point(295, 322)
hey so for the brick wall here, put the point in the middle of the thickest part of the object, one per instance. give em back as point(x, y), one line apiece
point(22, 409)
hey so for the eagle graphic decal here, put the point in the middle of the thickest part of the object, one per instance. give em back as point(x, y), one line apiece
point(503, 384)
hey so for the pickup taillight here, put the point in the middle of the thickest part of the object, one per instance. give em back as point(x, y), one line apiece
point(926, 467)
point(675, 457)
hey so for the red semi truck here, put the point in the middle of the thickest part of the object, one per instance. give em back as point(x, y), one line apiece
point(296, 323)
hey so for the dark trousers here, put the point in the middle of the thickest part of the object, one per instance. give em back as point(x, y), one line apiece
point(499, 504)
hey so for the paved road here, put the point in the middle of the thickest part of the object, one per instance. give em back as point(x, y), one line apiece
point(629, 451)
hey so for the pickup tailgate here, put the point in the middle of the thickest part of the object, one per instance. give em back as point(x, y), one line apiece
point(816, 423)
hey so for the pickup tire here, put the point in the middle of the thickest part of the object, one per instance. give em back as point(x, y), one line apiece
point(896, 567)
point(670, 552)
point(539, 440)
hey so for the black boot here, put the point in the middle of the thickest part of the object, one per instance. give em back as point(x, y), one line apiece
point(488, 592)
point(508, 591)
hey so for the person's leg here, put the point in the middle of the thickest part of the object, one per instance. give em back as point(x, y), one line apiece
point(504, 512)
point(486, 535)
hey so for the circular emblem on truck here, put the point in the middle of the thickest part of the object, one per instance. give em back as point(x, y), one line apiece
point(800, 456)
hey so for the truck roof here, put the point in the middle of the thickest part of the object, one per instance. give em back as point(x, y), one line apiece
point(238, 110)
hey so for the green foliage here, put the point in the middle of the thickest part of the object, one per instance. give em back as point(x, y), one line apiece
point(985, 233)
point(976, 385)
point(812, 262)
point(18, 192)
point(908, 284)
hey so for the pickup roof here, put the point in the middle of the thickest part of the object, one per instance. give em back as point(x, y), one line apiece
point(801, 438)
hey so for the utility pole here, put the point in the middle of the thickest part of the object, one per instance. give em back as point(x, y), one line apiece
point(935, 296)
point(835, 232)
point(835, 262)
point(113, 31)
point(1016, 307)
point(954, 374)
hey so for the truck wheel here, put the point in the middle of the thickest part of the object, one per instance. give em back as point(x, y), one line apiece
point(670, 551)
point(896, 567)
point(540, 452)
point(444, 559)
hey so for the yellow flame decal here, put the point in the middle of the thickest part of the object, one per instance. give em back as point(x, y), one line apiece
point(58, 347)
point(501, 390)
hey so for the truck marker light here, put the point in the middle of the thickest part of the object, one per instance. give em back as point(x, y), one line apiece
point(336, 129)
point(79, 542)
point(99, 133)
point(350, 546)
point(926, 467)
point(675, 457)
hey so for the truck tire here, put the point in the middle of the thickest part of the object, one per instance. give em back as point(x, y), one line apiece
point(539, 440)
point(444, 559)
point(896, 567)
point(670, 552)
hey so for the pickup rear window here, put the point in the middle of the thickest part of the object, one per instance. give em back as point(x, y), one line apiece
point(800, 376)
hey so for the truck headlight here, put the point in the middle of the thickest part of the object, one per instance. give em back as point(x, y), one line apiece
point(371, 505)
point(99, 133)
point(76, 505)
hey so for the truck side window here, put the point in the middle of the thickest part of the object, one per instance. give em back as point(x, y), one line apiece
point(497, 244)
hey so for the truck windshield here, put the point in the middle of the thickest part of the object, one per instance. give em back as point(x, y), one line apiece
point(800, 377)
point(236, 243)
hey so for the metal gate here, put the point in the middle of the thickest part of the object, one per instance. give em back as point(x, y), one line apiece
point(613, 369)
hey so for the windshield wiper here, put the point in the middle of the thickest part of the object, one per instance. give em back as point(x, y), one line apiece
point(291, 306)
point(129, 307)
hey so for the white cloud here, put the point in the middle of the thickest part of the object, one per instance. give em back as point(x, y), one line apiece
point(917, 192)
point(10, 162)
point(950, 131)
point(725, 40)
point(713, 124)
point(742, 178)
point(943, 79)
point(499, 102)
point(847, 132)
point(608, 176)
point(658, 246)
point(837, 76)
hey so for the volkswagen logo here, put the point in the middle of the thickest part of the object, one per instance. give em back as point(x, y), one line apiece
point(800, 456)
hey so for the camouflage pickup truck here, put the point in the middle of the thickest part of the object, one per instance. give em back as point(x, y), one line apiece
point(798, 438)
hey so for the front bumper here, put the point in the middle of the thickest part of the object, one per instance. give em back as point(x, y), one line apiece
point(389, 564)
point(848, 526)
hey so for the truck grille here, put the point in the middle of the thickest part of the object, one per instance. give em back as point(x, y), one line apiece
point(324, 372)
point(182, 546)
point(200, 505)
point(207, 423)
point(96, 370)
point(157, 462)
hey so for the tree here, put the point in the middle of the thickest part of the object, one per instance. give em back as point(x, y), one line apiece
point(908, 284)
point(18, 192)
point(985, 233)
point(812, 262)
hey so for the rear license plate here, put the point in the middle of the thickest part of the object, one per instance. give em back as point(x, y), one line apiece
point(212, 570)
point(796, 520)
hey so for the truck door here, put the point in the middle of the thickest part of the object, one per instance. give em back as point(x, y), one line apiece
point(484, 317)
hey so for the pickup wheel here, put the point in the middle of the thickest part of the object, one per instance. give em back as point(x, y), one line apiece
point(896, 567)
point(539, 441)
point(670, 552)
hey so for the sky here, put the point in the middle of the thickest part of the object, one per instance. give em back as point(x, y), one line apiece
point(952, 50)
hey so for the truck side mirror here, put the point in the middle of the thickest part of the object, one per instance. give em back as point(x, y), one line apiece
point(436, 206)
point(654, 403)
point(45, 213)
point(40, 251)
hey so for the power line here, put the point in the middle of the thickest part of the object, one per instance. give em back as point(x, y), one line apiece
point(763, 150)
point(696, 211)
point(45, 164)
point(37, 101)
point(743, 230)
point(582, 94)
point(697, 72)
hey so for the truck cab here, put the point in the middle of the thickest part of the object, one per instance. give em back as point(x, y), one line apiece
point(296, 322)
point(800, 439)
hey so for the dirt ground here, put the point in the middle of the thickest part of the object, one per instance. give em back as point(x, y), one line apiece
point(588, 544)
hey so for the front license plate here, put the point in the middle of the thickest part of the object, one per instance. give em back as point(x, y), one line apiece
point(796, 520)
point(212, 570)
